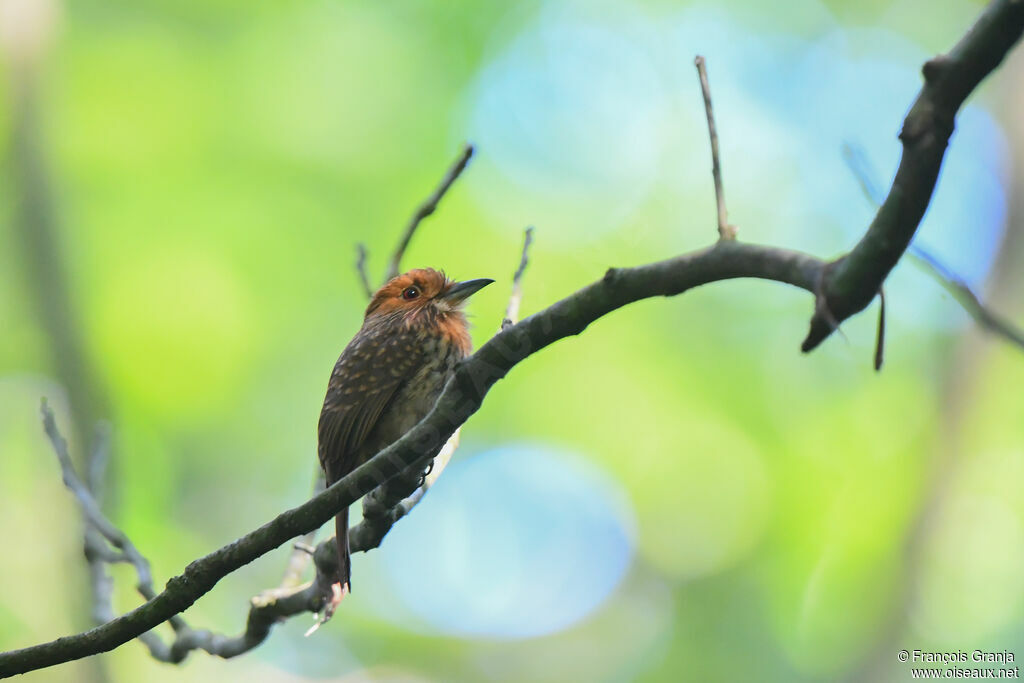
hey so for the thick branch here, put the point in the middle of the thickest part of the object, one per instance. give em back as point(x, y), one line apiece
point(462, 396)
point(852, 281)
point(986, 318)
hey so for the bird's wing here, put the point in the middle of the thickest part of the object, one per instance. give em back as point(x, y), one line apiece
point(366, 377)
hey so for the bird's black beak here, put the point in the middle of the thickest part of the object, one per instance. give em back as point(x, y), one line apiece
point(461, 291)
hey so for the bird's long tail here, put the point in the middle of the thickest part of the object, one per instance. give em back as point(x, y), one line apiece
point(344, 561)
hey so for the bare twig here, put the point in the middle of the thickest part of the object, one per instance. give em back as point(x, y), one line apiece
point(98, 530)
point(364, 277)
point(97, 553)
point(725, 230)
point(90, 510)
point(880, 338)
point(428, 207)
point(96, 463)
point(186, 639)
point(985, 317)
point(858, 163)
point(512, 310)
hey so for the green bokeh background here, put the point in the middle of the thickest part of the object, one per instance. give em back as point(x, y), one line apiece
point(214, 162)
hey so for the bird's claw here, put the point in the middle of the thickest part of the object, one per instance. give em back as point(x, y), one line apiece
point(426, 473)
point(338, 592)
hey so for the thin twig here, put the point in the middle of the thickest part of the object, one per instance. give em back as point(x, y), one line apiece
point(98, 529)
point(96, 464)
point(428, 207)
point(97, 553)
point(364, 277)
point(725, 230)
point(880, 338)
point(90, 510)
point(985, 317)
point(512, 310)
point(857, 161)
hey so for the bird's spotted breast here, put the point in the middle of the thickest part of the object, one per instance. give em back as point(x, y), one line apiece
point(418, 393)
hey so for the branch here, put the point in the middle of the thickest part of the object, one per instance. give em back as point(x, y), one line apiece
point(91, 511)
point(512, 310)
point(986, 318)
point(983, 316)
point(725, 231)
point(364, 277)
point(880, 334)
point(98, 529)
point(852, 281)
point(428, 207)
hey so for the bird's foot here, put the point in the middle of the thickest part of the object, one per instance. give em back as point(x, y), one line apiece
point(338, 592)
point(426, 473)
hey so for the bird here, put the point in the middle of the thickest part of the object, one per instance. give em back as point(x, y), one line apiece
point(387, 379)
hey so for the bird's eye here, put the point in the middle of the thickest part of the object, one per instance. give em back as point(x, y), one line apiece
point(410, 293)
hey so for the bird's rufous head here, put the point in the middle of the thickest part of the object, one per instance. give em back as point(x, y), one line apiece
point(422, 289)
